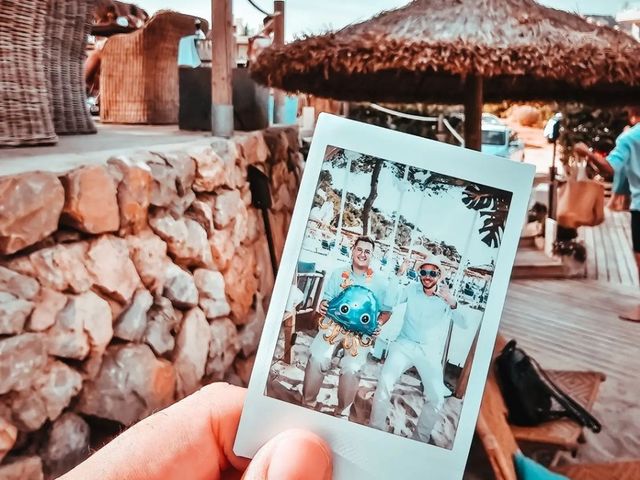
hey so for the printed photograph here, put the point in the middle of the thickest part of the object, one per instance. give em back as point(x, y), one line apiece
point(388, 296)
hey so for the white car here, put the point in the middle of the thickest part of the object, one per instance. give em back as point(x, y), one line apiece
point(491, 119)
point(500, 140)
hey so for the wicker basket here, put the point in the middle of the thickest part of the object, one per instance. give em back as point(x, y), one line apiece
point(68, 24)
point(25, 116)
point(139, 71)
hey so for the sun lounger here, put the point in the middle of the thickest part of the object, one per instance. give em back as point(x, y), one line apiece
point(563, 434)
point(500, 444)
point(24, 95)
point(139, 71)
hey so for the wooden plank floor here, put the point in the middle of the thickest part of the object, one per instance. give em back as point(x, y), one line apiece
point(533, 263)
point(577, 328)
point(609, 253)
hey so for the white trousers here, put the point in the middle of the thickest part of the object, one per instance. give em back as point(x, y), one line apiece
point(404, 354)
point(322, 352)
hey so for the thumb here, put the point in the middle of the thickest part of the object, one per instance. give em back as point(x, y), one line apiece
point(292, 455)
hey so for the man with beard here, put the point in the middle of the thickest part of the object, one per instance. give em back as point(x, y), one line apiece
point(419, 344)
point(322, 352)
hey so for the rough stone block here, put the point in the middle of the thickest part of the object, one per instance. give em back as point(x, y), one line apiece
point(21, 358)
point(111, 269)
point(132, 384)
point(90, 203)
point(191, 352)
point(30, 208)
point(180, 287)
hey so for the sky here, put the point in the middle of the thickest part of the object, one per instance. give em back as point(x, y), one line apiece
point(304, 16)
point(453, 220)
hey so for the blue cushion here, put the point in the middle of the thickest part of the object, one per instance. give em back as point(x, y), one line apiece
point(527, 469)
point(306, 267)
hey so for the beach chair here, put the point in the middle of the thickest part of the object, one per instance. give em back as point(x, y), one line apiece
point(42, 90)
point(564, 433)
point(27, 118)
point(500, 445)
point(310, 283)
point(139, 71)
point(67, 26)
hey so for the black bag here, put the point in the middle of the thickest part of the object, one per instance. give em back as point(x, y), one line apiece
point(529, 392)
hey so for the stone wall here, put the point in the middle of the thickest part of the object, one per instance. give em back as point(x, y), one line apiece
point(128, 285)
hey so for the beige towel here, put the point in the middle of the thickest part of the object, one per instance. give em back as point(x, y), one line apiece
point(580, 203)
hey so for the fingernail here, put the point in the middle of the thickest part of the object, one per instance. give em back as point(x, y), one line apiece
point(299, 456)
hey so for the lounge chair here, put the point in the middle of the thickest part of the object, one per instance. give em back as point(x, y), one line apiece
point(42, 90)
point(500, 444)
point(139, 71)
point(310, 284)
point(68, 24)
point(564, 434)
point(24, 96)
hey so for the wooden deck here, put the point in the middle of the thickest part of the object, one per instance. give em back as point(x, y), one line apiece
point(609, 252)
point(533, 263)
point(577, 328)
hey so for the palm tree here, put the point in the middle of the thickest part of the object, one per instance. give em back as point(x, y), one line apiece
point(493, 205)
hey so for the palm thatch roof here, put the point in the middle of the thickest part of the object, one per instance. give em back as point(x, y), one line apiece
point(425, 50)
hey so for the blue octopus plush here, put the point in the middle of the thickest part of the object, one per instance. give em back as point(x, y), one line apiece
point(354, 315)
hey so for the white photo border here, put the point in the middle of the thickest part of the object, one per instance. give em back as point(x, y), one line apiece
point(361, 452)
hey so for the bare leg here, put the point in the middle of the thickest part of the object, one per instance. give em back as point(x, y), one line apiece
point(633, 315)
point(313, 377)
point(349, 380)
point(347, 389)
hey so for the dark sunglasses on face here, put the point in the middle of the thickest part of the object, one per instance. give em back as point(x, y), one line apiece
point(429, 273)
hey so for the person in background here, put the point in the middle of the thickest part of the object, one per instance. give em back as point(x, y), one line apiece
point(624, 159)
point(199, 33)
point(263, 39)
point(322, 352)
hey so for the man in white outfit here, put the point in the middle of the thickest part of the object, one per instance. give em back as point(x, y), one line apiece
point(322, 352)
point(419, 344)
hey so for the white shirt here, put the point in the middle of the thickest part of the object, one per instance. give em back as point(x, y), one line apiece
point(427, 318)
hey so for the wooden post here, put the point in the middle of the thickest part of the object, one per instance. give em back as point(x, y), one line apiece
point(473, 102)
point(461, 387)
point(289, 328)
point(221, 69)
point(278, 41)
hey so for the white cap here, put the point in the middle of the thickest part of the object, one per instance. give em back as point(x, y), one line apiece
point(431, 260)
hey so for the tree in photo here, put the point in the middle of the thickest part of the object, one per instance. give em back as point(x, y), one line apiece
point(493, 206)
point(373, 194)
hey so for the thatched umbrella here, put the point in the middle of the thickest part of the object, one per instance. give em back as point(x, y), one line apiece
point(461, 51)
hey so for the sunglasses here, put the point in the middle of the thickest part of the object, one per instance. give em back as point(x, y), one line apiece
point(429, 273)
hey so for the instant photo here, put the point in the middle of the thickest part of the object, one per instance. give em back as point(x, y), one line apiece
point(390, 288)
point(387, 301)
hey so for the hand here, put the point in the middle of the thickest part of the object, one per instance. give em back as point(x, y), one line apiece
point(582, 149)
point(383, 318)
point(193, 439)
point(444, 293)
point(403, 267)
point(322, 308)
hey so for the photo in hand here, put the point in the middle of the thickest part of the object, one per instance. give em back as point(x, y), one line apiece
point(387, 301)
point(390, 287)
